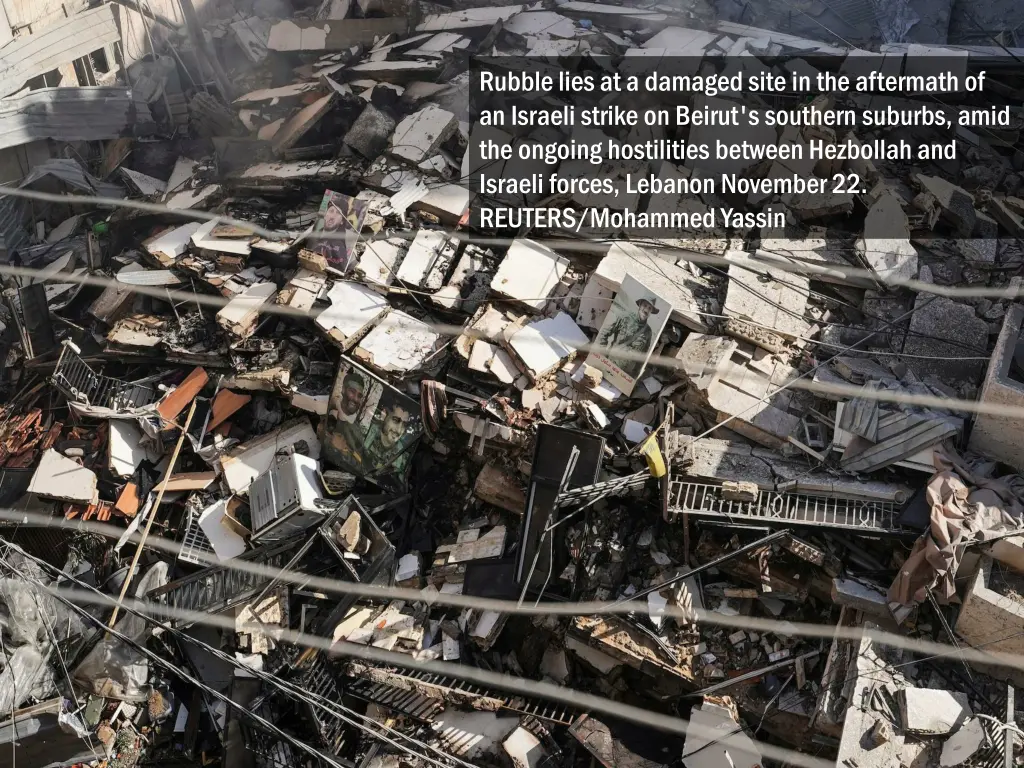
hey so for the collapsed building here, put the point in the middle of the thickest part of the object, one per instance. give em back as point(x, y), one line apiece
point(299, 464)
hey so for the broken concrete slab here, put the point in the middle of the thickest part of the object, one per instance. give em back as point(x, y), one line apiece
point(64, 479)
point(543, 345)
point(301, 292)
point(1008, 219)
point(172, 243)
point(494, 486)
point(765, 305)
point(273, 96)
point(252, 35)
point(931, 712)
point(963, 744)
point(956, 204)
point(296, 126)
point(997, 435)
point(469, 18)
point(354, 310)
point(311, 36)
point(943, 336)
point(470, 281)
point(400, 344)
point(991, 620)
point(704, 358)
point(240, 316)
point(529, 273)
point(418, 136)
point(206, 237)
point(886, 243)
point(719, 740)
point(870, 599)
point(371, 131)
point(380, 260)
point(428, 260)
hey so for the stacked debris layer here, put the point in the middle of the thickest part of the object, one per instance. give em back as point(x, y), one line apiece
point(339, 384)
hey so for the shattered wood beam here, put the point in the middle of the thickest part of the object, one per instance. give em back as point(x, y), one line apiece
point(152, 515)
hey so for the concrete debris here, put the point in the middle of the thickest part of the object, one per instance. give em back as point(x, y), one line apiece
point(721, 739)
point(528, 273)
point(317, 358)
point(933, 712)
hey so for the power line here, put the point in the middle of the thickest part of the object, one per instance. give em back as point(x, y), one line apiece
point(144, 609)
point(458, 330)
point(532, 687)
point(157, 659)
point(749, 623)
point(768, 396)
point(512, 607)
point(592, 246)
point(482, 677)
point(656, 360)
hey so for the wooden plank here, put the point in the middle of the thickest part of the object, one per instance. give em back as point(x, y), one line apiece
point(184, 394)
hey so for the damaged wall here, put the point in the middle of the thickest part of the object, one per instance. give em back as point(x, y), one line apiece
point(991, 620)
point(993, 434)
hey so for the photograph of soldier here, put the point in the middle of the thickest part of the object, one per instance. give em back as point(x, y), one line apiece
point(371, 428)
point(387, 451)
point(338, 214)
point(632, 327)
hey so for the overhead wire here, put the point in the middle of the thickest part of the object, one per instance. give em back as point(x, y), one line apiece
point(144, 609)
point(940, 402)
point(163, 663)
point(334, 708)
point(524, 686)
point(512, 607)
point(762, 625)
point(772, 393)
point(592, 246)
point(164, 294)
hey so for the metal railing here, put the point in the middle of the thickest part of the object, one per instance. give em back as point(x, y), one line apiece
point(777, 508)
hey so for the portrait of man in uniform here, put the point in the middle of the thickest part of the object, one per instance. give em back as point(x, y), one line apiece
point(371, 428)
point(630, 330)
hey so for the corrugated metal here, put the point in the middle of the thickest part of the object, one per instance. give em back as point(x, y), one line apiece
point(69, 114)
point(32, 55)
point(14, 211)
point(74, 175)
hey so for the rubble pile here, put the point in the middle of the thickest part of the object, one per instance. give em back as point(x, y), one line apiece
point(293, 462)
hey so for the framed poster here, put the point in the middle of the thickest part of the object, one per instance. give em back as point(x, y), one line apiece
point(629, 332)
point(371, 429)
point(339, 214)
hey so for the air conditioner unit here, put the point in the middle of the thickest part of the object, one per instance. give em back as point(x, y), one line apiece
point(282, 502)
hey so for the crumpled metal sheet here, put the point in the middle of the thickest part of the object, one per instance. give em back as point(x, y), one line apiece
point(968, 506)
point(14, 211)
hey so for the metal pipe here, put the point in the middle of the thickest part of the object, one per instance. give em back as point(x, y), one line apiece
point(700, 568)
